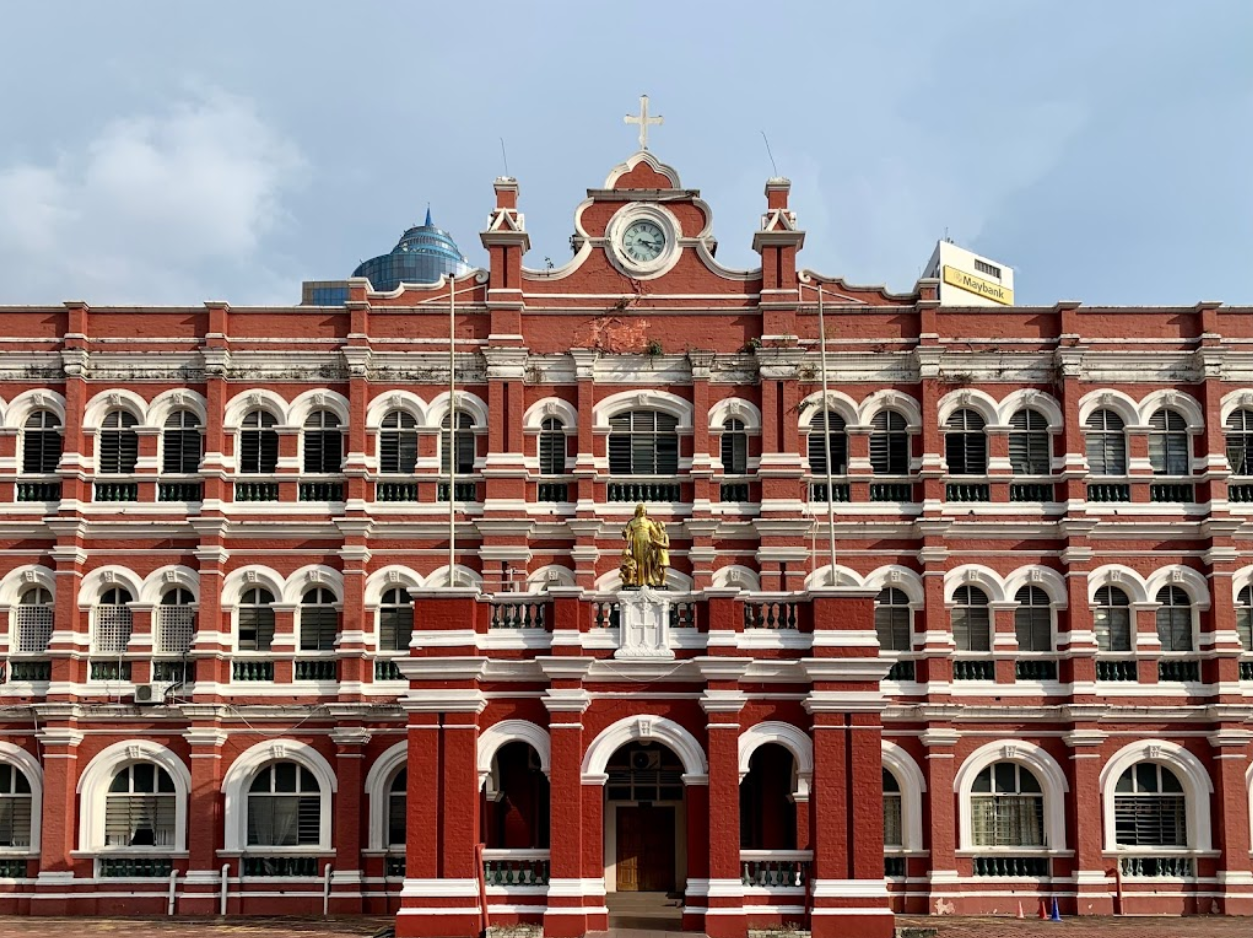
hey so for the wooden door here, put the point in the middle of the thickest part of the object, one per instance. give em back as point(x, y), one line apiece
point(645, 849)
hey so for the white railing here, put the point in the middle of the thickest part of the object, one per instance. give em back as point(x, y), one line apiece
point(775, 869)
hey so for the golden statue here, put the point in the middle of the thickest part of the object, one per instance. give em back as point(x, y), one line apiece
point(647, 552)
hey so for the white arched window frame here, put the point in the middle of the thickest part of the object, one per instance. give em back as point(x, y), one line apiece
point(791, 738)
point(379, 792)
point(112, 621)
point(1043, 767)
point(19, 761)
point(913, 786)
point(1194, 587)
point(501, 734)
point(30, 594)
point(1197, 787)
point(93, 789)
point(239, 778)
point(42, 440)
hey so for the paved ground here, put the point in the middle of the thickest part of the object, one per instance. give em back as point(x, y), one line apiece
point(947, 927)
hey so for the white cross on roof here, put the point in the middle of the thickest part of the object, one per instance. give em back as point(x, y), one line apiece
point(643, 120)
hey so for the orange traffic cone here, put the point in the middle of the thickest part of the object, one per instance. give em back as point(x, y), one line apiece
point(1020, 915)
point(1044, 910)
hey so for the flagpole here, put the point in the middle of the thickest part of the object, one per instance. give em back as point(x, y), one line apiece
point(452, 430)
point(826, 428)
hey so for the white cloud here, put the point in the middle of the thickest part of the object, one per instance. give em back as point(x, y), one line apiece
point(147, 207)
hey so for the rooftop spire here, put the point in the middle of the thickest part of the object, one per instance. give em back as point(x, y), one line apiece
point(428, 214)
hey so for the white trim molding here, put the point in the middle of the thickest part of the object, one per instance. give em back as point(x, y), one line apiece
point(645, 727)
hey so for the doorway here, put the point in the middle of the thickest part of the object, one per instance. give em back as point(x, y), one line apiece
point(646, 849)
point(645, 821)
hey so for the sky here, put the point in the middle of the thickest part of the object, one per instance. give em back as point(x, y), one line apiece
point(169, 153)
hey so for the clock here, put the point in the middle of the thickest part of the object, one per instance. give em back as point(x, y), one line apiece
point(643, 241)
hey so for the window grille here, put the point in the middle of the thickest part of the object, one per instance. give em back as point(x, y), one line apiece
point(182, 444)
point(395, 621)
point(113, 623)
point(1244, 618)
point(284, 807)
point(323, 443)
point(1168, 444)
point(256, 620)
point(985, 268)
point(396, 809)
point(319, 620)
point(1105, 440)
point(15, 807)
point(1240, 442)
point(1112, 619)
point(41, 443)
point(971, 619)
point(34, 621)
point(889, 444)
point(1006, 807)
point(965, 444)
point(834, 426)
point(258, 444)
point(465, 444)
point(140, 808)
point(893, 620)
point(176, 623)
point(643, 442)
point(1029, 446)
point(398, 443)
point(119, 444)
point(1174, 619)
point(1033, 620)
point(1150, 808)
point(734, 447)
point(893, 830)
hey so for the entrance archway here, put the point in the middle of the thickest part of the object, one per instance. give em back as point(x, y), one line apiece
point(644, 818)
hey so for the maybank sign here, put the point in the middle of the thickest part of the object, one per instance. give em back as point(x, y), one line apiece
point(984, 288)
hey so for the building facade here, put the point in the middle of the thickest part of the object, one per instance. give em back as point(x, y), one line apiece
point(292, 628)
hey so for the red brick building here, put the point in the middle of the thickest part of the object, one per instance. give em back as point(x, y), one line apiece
point(247, 668)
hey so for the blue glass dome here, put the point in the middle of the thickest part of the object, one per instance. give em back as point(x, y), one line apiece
point(423, 255)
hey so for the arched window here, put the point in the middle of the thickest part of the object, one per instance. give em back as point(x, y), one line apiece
point(734, 447)
point(398, 443)
point(1244, 618)
point(1029, 446)
point(112, 632)
point(972, 628)
point(1033, 620)
point(396, 809)
point(16, 806)
point(258, 444)
point(119, 443)
point(1111, 617)
point(34, 621)
point(465, 443)
point(284, 807)
point(893, 830)
point(41, 443)
point(834, 427)
point(1169, 448)
point(182, 444)
point(319, 620)
point(889, 444)
point(256, 620)
point(1006, 807)
point(965, 444)
point(1174, 619)
point(1150, 808)
point(1106, 442)
point(893, 619)
point(176, 623)
point(323, 443)
point(552, 447)
point(395, 621)
point(1240, 442)
point(643, 443)
point(140, 809)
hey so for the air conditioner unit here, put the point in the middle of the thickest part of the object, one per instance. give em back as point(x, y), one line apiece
point(646, 759)
point(147, 695)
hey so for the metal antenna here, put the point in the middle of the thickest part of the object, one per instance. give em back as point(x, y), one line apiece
point(504, 156)
point(769, 154)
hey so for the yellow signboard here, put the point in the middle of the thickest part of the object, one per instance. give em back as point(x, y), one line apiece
point(984, 288)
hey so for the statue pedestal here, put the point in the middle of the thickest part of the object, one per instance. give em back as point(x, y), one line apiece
point(643, 624)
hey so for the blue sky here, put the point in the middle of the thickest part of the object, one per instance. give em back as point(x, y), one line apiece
point(172, 153)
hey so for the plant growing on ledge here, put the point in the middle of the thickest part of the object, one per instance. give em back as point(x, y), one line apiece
point(752, 345)
point(653, 348)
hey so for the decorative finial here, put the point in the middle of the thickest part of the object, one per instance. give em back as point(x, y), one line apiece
point(428, 214)
point(643, 120)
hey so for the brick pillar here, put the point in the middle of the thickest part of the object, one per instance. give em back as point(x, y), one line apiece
point(1004, 639)
point(211, 652)
point(200, 888)
point(68, 657)
point(60, 816)
point(1231, 819)
point(357, 360)
point(940, 819)
point(350, 818)
point(703, 488)
point(585, 458)
point(1093, 884)
point(725, 901)
point(1075, 627)
point(354, 627)
point(571, 910)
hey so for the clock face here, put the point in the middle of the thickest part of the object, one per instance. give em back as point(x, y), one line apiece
point(644, 241)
